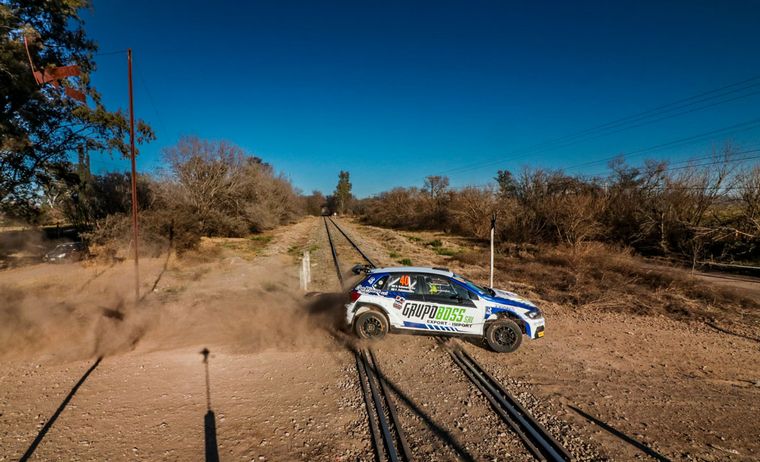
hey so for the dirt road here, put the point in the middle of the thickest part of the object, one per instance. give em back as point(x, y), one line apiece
point(280, 382)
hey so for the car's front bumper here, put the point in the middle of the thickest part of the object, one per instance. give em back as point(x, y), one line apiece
point(535, 328)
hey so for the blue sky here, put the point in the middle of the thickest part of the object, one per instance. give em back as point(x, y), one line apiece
point(395, 91)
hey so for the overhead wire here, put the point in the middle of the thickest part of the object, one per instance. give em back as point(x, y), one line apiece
point(731, 129)
point(665, 170)
point(628, 122)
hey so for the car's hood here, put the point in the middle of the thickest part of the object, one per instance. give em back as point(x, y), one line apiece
point(510, 298)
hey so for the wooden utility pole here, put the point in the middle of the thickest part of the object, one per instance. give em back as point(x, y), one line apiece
point(135, 232)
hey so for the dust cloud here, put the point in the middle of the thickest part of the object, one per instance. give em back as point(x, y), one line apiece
point(67, 328)
point(69, 312)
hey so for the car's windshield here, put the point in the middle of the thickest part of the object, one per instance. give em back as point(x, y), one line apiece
point(476, 288)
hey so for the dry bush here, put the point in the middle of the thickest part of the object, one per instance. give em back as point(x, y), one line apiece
point(160, 231)
point(471, 210)
point(230, 192)
point(397, 208)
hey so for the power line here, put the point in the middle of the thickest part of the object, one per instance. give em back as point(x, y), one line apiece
point(736, 128)
point(151, 100)
point(619, 124)
point(668, 169)
point(717, 162)
point(687, 161)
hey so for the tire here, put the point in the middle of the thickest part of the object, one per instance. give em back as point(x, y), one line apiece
point(371, 325)
point(503, 336)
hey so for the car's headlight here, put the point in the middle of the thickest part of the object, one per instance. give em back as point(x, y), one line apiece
point(533, 314)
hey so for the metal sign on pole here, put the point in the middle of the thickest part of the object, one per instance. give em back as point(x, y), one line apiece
point(135, 232)
point(493, 228)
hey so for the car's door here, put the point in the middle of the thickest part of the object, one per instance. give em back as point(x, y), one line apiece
point(453, 307)
point(404, 296)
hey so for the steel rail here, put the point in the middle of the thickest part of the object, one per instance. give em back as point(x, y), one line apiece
point(376, 401)
point(407, 453)
point(374, 431)
point(334, 254)
point(390, 444)
point(374, 387)
point(535, 437)
point(351, 241)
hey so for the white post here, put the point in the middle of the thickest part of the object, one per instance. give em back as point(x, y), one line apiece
point(493, 227)
point(308, 269)
point(305, 275)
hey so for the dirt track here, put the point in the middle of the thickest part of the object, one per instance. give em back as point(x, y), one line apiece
point(283, 384)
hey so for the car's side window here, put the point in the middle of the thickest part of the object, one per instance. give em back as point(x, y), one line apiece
point(403, 282)
point(438, 286)
point(463, 293)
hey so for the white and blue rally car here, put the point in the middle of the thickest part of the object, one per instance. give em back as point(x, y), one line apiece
point(435, 301)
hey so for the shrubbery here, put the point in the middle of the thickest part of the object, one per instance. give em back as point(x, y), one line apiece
point(709, 210)
point(208, 189)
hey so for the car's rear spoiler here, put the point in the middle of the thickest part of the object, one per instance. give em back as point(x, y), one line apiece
point(358, 269)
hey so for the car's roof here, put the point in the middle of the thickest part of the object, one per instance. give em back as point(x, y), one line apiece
point(413, 269)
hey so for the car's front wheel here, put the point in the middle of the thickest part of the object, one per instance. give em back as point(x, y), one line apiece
point(503, 336)
point(371, 325)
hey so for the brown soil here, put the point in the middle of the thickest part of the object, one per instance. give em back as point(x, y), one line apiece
point(283, 382)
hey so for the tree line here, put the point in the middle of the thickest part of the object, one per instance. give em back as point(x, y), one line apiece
point(207, 188)
point(697, 210)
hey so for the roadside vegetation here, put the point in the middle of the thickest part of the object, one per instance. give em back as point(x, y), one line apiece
point(702, 210)
point(208, 188)
point(604, 278)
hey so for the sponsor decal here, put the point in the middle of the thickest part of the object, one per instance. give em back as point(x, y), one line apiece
point(403, 284)
point(399, 302)
point(371, 291)
point(371, 280)
point(437, 314)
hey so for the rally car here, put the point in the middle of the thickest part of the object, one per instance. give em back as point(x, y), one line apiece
point(435, 301)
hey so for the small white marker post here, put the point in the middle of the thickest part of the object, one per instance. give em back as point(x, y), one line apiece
point(493, 228)
point(305, 271)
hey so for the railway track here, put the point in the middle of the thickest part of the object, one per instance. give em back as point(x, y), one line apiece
point(534, 436)
point(388, 438)
point(334, 253)
point(387, 435)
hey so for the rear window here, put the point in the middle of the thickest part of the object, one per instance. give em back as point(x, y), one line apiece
point(380, 283)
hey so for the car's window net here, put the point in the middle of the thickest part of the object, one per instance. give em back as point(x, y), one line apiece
point(438, 286)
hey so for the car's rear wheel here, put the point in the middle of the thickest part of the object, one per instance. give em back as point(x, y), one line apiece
point(503, 336)
point(371, 325)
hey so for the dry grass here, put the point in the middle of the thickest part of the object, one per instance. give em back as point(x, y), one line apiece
point(602, 278)
point(243, 247)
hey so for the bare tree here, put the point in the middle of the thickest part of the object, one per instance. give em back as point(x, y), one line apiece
point(471, 210)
